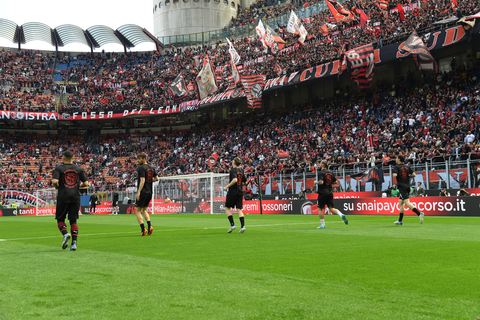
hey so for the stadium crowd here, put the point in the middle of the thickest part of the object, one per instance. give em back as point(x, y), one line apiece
point(432, 120)
point(115, 81)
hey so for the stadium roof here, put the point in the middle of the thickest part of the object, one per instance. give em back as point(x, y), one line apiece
point(129, 35)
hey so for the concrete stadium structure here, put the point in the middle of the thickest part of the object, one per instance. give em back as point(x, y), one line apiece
point(181, 17)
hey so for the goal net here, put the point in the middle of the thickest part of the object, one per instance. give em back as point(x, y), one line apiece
point(192, 193)
point(46, 201)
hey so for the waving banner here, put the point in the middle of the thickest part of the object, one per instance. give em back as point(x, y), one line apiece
point(178, 87)
point(253, 87)
point(338, 12)
point(233, 52)
point(361, 64)
point(422, 56)
point(206, 81)
point(295, 26)
point(270, 38)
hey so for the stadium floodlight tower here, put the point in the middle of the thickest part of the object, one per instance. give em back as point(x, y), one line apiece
point(191, 18)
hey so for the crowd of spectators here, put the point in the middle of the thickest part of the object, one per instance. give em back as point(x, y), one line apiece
point(26, 81)
point(435, 119)
point(117, 81)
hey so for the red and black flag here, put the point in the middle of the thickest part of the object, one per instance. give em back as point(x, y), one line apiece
point(383, 4)
point(361, 63)
point(363, 18)
point(278, 70)
point(370, 147)
point(338, 11)
point(370, 175)
point(178, 87)
point(401, 12)
point(104, 101)
point(253, 87)
point(422, 56)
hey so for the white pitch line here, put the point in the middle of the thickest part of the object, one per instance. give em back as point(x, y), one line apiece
point(168, 230)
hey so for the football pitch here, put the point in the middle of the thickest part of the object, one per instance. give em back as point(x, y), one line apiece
point(282, 267)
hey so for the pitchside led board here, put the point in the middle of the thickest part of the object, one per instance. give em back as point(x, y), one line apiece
point(434, 206)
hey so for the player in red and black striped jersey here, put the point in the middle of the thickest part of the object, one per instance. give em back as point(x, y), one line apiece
point(67, 178)
point(146, 176)
point(326, 180)
point(404, 173)
point(235, 194)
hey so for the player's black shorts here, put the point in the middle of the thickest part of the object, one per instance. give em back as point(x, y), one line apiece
point(114, 204)
point(64, 209)
point(325, 199)
point(234, 200)
point(403, 193)
point(144, 200)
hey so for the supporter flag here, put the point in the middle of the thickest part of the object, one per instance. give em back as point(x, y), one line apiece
point(270, 38)
point(104, 101)
point(324, 30)
point(369, 143)
point(233, 52)
point(383, 4)
point(278, 70)
point(206, 81)
point(363, 19)
point(338, 12)
point(423, 59)
point(307, 21)
point(178, 87)
point(253, 87)
point(295, 26)
point(235, 74)
point(369, 175)
point(454, 4)
point(190, 86)
point(361, 63)
point(475, 16)
point(401, 11)
point(213, 159)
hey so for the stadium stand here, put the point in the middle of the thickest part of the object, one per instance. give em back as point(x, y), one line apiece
point(431, 119)
point(428, 122)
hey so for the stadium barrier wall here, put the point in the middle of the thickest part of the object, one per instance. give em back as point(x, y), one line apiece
point(434, 206)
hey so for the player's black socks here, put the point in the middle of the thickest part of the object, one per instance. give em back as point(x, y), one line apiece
point(242, 221)
point(74, 230)
point(230, 218)
point(142, 226)
point(416, 211)
point(401, 217)
point(149, 224)
point(62, 227)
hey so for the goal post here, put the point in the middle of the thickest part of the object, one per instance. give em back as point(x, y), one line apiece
point(46, 201)
point(192, 193)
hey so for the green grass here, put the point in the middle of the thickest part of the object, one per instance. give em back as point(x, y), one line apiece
point(282, 267)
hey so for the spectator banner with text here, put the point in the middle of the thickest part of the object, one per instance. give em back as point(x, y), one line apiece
point(434, 41)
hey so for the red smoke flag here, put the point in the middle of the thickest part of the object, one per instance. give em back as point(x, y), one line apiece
point(401, 11)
